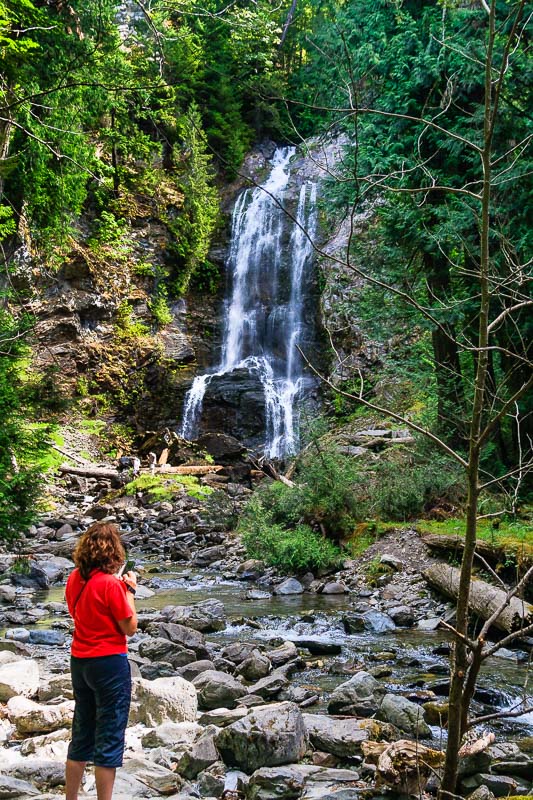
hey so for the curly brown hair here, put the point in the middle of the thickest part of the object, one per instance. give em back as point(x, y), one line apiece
point(99, 548)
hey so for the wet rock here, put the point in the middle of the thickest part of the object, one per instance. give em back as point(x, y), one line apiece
point(217, 689)
point(341, 737)
point(360, 696)
point(403, 616)
point(163, 700)
point(272, 685)
point(20, 677)
point(319, 646)
point(405, 715)
point(377, 622)
point(289, 586)
point(207, 617)
point(267, 736)
point(430, 624)
point(237, 652)
point(160, 649)
point(436, 713)
point(200, 755)
point(256, 594)
point(30, 717)
point(255, 667)
point(57, 567)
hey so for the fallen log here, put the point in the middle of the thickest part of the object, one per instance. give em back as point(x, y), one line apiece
point(485, 599)
point(109, 473)
point(448, 543)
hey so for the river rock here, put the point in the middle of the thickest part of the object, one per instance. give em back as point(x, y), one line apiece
point(267, 736)
point(237, 652)
point(334, 587)
point(282, 654)
point(303, 781)
point(499, 785)
point(57, 567)
point(173, 735)
point(35, 578)
point(403, 616)
point(56, 686)
point(377, 622)
point(251, 569)
point(19, 677)
point(342, 737)
point(192, 670)
point(8, 594)
point(360, 696)
point(206, 617)
point(508, 759)
point(255, 667)
point(200, 755)
point(161, 649)
point(209, 555)
point(289, 586)
point(319, 646)
point(48, 745)
point(42, 774)
point(13, 787)
point(405, 715)
point(18, 634)
point(47, 637)
point(223, 716)
point(156, 777)
point(30, 717)
point(163, 700)
point(217, 689)
point(211, 781)
point(186, 637)
point(270, 687)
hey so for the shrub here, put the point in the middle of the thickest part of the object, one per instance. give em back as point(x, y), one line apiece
point(297, 549)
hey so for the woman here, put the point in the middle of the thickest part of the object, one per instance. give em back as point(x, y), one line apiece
point(102, 606)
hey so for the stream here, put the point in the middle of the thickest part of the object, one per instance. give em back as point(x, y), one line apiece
point(406, 660)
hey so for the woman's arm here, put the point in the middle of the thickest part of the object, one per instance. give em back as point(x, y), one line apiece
point(129, 626)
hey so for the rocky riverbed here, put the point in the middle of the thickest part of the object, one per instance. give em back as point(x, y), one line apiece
point(244, 681)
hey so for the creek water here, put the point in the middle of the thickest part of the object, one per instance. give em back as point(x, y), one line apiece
point(416, 661)
point(269, 263)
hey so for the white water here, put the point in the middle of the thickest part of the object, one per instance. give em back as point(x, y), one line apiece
point(263, 322)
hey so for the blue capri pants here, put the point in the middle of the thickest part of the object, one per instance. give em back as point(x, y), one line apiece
point(102, 695)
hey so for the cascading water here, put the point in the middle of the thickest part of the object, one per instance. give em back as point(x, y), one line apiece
point(264, 315)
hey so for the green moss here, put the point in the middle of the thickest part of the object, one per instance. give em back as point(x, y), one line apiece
point(93, 426)
point(515, 537)
point(166, 487)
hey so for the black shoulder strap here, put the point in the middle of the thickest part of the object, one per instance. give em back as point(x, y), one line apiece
point(79, 595)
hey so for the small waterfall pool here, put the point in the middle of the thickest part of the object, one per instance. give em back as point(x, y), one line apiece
point(270, 268)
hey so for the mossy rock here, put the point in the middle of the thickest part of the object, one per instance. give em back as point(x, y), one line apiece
point(436, 713)
point(526, 744)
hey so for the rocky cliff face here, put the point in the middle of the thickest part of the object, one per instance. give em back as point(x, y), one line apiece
point(97, 331)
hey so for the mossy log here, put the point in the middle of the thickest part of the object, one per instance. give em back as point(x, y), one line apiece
point(485, 599)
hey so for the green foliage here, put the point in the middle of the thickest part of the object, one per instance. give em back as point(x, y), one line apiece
point(164, 487)
point(127, 327)
point(158, 305)
point(21, 446)
point(296, 549)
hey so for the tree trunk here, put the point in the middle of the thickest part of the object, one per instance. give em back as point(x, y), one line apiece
point(103, 472)
point(484, 600)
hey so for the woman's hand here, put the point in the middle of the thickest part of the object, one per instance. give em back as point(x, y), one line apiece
point(130, 579)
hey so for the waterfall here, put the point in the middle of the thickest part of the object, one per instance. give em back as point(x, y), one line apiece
point(269, 262)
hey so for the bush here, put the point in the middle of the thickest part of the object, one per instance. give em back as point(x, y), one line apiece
point(297, 549)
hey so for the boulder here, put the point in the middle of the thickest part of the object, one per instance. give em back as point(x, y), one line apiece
point(237, 652)
point(255, 667)
point(172, 735)
point(267, 736)
point(8, 594)
point(342, 737)
point(209, 555)
point(334, 587)
point(272, 685)
point(200, 755)
point(56, 686)
point(206, 617)
point(34, 578)
point(42, 774)
point(13, 787)
point(211, 781)
point(282, 654)
point(218, 690)
point(195, 668)
point(405, 715)
point(377, 622)
point(160, 649)
point(403, 616)
point(30, 717)
point(186, 637)
point(19, 677)
point(163, 700)
point(158, 778)
point(47, 637)
point(289, 586)
point(303, 781)
point(360, 696)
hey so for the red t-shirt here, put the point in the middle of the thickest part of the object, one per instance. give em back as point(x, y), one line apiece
point(101, 605)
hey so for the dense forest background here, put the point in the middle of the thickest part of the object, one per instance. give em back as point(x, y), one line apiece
point(112, 114)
